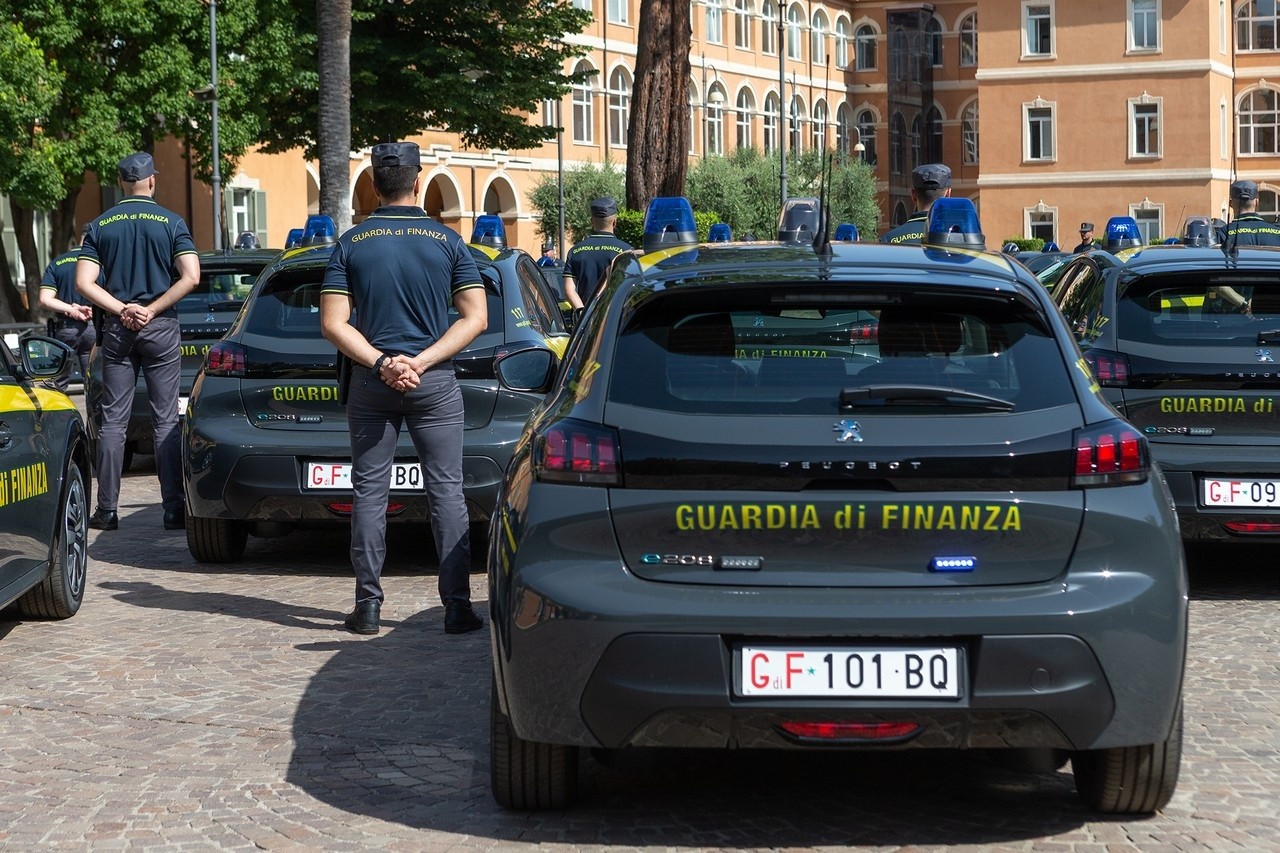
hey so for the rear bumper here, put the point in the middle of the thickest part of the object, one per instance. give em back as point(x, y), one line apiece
point(1185, 466)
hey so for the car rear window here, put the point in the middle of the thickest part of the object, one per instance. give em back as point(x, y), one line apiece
point(219, 289)
point(1203, 309)
point(757, 351)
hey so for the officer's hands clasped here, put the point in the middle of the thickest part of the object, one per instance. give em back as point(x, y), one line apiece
point(401, 373)
point(135, 316)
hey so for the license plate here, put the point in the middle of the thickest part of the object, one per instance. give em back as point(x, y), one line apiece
point(182, 407)
point(1246, 493)
point(405, 476)
point(881, 672)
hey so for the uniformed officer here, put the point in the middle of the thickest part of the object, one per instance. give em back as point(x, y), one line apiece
point(548, 258)
point(929, 182)
point(1246, 227)
point(73, 323)
point(587, 260)
point(399, 270)
point(1086, 238)
point(149, 263)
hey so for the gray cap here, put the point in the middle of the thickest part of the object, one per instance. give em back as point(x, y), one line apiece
point(137, 167)
point(397, 154)
point(931, 176)
point(604, 207)
point(1244, 190)
point(1086, 226)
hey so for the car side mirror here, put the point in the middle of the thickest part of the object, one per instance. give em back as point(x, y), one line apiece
point(528, 370)
point(44, 358)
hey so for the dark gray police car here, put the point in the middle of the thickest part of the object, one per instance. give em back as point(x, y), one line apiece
point(265, 448)
point(1185, 341)
point(717, 534)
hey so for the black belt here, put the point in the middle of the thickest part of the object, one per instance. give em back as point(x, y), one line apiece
point(69, 323)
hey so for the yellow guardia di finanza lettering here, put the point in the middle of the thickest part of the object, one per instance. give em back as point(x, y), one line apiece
point(898, 516)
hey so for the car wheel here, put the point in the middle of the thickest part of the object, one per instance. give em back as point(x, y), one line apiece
point(59, 595)
point(1130, 779)
point(528, 775)
point(216, 540)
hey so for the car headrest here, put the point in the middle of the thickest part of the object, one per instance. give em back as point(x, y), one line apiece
point(703, 334)
point(913, 332)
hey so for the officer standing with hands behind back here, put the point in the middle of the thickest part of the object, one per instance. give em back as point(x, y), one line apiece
point(1247, 228)
point(398, 271)
point(148, 261)
point(929, 182)
point(58, 295)
point(587, 260)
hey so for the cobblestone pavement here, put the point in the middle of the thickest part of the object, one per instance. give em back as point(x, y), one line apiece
point(191, 706)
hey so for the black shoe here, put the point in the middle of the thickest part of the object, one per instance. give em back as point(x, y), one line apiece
point(364, 619)
point(104, 519)
point(175, 519)
point(459, 618)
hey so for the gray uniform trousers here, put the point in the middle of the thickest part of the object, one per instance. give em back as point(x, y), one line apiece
point(79, 335)
point(432, 412)
point(157, 350)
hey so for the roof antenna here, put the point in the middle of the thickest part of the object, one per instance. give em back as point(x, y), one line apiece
point(822, 240)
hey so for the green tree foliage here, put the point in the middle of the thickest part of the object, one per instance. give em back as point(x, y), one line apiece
point(478, 69)
point(582, 184)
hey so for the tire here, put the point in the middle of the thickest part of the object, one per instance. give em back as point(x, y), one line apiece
point(216, 540)
point(526, 775)
point(1130, 779)
point(59, 595)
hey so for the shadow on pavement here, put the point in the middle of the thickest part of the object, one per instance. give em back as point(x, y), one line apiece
point(150, 595)
point(396, 728)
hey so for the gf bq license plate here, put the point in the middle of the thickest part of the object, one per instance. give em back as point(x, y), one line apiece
point(871, 671)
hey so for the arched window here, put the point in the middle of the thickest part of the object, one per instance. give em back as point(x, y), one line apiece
point(1256, 25)
point(867, 136)
point(916, 134)
point(1259, 124)
point(746, 106)
point(715, 119)
point(969, 40)
point(865, 48)
point(798, 118)
point(933, 148)
point(933, 30)
point(768, 28)
point(899, 214)
point(842, 43)
point(897, 144)
point(619, 106)
point(818, 38)
point(742, 24)
point(1268, 205)
point(969, 133)
point(584, 114)
point(695, 132)
point(795, 24)
point(771, 112)
point(819, 126)
point(844, 130)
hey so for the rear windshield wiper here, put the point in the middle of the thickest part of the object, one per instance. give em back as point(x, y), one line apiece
point(920, 395)
point(1271, 336)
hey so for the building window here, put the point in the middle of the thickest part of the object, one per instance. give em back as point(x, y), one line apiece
point(844, 130)
point(1144, 24)
point(1042, 224)
point(796, 140)
point(842, 43)
point(1039, 133)
point(969, 133)
point(1268, 206)
point(867, 135)
point(715, 119)
point(933, 31)
point(897, 144)
point(584, 5)
point(899, 214)
point(820, 126)
point(818, 39)
point(916, 140)
point(742, 24)
point(768, 28)
point(771, 138)
point(746, 106)
point(583, 109)
point(1223, 133)
point(865, 48)
point(1148, 219)
point(617, 11)
point(1145, 127)
point(619, 106)
point(969, 41)
point(1259, 122)
point(715, 22)
point(795, 23)
point(1037, 29)
point(1256, 25)
point(933, 150)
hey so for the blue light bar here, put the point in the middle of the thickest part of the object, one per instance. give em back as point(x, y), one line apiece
point(720, 233)
point(1051, 247)
point(799, 220)
point(294, 239)
point(1122, 232)
point(954, 222)
point(489, 231)
point(319, 230)
point(953, 564)
point(669, 222)
point(846, 232)
point(1198, 231)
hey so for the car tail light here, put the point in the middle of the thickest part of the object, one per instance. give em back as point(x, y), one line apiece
point(1111, 369)
point(572, 451)
point(851, 731)
point(1267, 528)
point(864, 333)
point(347, 507)
point(1110, 454)
point(225, 359)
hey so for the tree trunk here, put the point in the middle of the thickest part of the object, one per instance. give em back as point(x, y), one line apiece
point(333, 140)
point(25, 236)
point(62, 222)
point(658, 138)
point(11, 305)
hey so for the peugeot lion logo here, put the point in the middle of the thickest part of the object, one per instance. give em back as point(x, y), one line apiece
point(1264, 356)
point(849, 430)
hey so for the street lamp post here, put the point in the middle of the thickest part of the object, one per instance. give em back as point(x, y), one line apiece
point(560, 177)
point(782, 100)
point(213, 105)
point(709, 99)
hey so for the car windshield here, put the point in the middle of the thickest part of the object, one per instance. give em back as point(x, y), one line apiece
point(748, 351)
point(1202, 309)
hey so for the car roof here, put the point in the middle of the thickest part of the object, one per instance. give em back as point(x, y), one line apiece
point(1174, 257)
point(233, 256)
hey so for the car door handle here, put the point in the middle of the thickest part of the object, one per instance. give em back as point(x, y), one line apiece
point(6, 436)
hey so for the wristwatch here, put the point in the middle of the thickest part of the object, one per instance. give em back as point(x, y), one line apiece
point(377, 365)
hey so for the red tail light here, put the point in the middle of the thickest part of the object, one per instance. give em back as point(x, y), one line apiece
point(852, 731)
point(225, 359)
point(864, 333)
point(576, 452)
point(1268, 528)
point(1111, 369)
point(1110, 454)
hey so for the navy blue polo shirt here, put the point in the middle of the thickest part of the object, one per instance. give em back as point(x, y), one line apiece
point(401, 270)
point(1250, 229)
point(136, 243)
point(588, 259)
point(911, 231)
point(60, 277)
